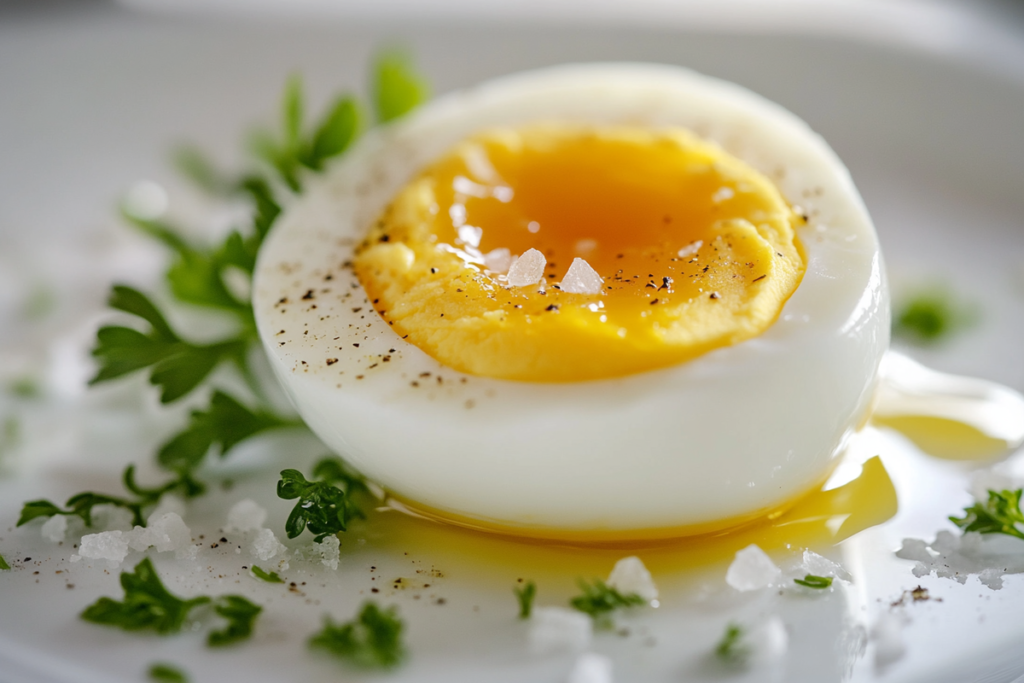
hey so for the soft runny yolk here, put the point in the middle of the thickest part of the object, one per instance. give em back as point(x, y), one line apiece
point(696, 251)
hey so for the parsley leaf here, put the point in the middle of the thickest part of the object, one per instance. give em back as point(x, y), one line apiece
point(225, 424)
point(177, 366)
point(930, 317)
point(1000, 514)
point(165, 673)
point(812, 581)
point(3, 564)
point(269, 577)
point(322, 508)
point(525, 596)
point(373, 639)
point(599, 600)
point(241, 615)
point(732, 648)
point(397, 88)
point(146, 605)
point(82, 504)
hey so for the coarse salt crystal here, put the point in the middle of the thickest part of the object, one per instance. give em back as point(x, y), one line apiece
point(958, 557)
point(106, 545)
point(581, 279)
point(631, 576)
point(815, 564)
point(330, 551)
point(556, 629)
point(55, 528)
point(167, 504)
point(266, 545)
point(246, 515)
point(752, 569)
point(498, 260)
point(591, 667)
point(528, 269)
point(690, 249)
point(166, 533)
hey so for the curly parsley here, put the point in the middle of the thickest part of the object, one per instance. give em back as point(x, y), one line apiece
point(165, 673)
point(732, 648)
point(148, 605)
point(373, 639)
point(3, 564)
point(999, 514)
point(931, 316)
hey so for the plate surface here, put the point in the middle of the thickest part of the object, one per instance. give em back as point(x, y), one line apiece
point(929, 127)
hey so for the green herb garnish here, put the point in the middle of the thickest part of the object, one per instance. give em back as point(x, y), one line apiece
point(82, 504)
point(269, 577)
point(373, 639)
point(398, 89)
point(732, 648)
point(1000, 514)
point(812, 581)
point(241, 615)
point(599, 600)
point(525, 594)
point(930, 317)
point(322, 507)
point(165, 673)
point(3, 563)
point(148, 605)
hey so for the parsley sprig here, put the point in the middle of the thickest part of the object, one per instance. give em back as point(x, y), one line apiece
point(599, 600)
point(81, 505)
point(525, 595)
point(148, 605)
point(373, 639)
point(199, 276)
point(3, 564)
point(999, 514)
point(325, 505)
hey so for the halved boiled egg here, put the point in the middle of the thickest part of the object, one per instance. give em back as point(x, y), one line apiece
point(594, 302)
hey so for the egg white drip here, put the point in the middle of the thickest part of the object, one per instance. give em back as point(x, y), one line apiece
point(734, 432)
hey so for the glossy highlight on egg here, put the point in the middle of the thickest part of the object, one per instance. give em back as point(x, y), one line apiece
point(710, 442)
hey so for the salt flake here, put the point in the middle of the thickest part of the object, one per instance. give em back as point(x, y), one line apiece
point(106, 545)
point(55, 528)
point(591, 667)
point(752, 569)
point(266, 545)
point(528, 269)
point(556, 629)
point(631, 576)
point(246, 515)
point(581, 279)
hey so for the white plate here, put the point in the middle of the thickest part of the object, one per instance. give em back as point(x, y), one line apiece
point(922, 103)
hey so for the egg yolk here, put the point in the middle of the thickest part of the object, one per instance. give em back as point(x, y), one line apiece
point(695, 250)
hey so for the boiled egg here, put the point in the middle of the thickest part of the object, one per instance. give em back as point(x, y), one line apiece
point(594, 302)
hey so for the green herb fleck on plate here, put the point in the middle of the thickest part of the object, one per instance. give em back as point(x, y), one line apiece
point(525, 594)
point(3, 563)
point(269, 577)
point(166, 673)
point(732, 648)
point(930, 317)
point(599, 600)
point(812, 581)
point(373, 639)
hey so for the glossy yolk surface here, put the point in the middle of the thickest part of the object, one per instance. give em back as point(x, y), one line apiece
point(696, 251)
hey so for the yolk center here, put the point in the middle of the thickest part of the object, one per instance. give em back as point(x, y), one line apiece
point(695, 250)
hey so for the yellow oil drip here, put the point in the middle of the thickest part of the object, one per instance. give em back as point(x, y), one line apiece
point(819, 520)
point(945, 438)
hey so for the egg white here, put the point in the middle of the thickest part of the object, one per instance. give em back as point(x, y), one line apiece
point(733, 433)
